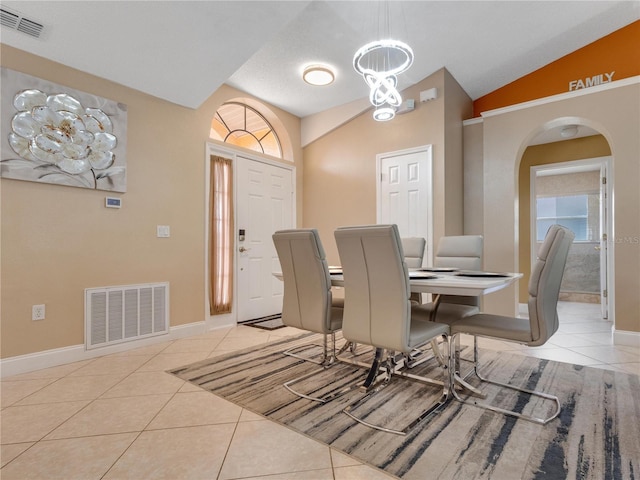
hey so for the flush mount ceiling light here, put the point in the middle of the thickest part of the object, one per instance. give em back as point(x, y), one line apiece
point(318, 75)
point(569, 131)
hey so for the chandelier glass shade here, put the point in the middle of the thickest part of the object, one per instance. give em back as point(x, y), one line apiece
point(383, 89)
point(380, 63)
point(382, 114)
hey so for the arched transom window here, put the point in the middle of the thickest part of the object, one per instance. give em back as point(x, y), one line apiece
point(244, 126)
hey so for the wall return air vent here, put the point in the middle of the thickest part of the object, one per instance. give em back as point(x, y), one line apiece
point(125, 313)
point(16, 21)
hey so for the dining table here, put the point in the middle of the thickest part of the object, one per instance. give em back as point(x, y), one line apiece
point(438, 282)
point(445, 281)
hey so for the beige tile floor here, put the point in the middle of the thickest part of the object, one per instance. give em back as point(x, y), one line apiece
point(121, 416)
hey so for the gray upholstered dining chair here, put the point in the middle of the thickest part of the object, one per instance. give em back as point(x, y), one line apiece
point(544, 289)
point(378, 309)
point(463, 252)
point(460, 252)
point(307, 301)
point(413, 248)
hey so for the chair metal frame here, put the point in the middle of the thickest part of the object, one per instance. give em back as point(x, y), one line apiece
point(390, 355)
point(328, 353)
point(383, 369)
point(458, 251)
point(461, 380)
point(544, 288)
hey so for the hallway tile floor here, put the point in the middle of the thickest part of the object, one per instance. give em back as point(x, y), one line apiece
point(121, 416)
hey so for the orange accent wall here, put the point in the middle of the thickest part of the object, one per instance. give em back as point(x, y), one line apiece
point(617, 52)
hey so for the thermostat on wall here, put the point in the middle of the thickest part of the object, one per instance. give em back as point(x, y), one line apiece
point(112, 202)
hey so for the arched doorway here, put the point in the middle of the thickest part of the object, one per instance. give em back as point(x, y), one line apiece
point(562, 179)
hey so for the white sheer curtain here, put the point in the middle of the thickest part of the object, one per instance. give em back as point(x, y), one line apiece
point(221, 236)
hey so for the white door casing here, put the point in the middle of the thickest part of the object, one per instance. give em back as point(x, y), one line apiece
point(405, 194)
point(285, 220)
point(603, 164)
point(264, 204)
point(605, 234)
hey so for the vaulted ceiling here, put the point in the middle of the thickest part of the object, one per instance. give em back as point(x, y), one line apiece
point(183, 51)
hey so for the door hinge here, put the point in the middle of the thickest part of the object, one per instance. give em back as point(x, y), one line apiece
point(604, 180)
point(605, 294)
point(604, 237)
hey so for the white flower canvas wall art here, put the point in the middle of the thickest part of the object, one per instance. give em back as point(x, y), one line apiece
point(55, 134)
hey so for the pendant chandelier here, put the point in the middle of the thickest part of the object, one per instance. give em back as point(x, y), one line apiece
point(380, 62)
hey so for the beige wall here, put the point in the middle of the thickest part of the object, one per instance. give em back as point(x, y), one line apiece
point(578, 149)
point(473, 184)
point(616, 114)
point(340, 167)
point(456, 110)
point(56, 241)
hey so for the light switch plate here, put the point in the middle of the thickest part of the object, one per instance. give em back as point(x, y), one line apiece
point(163, 231)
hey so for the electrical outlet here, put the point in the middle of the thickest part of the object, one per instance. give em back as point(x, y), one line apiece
point(37, 312)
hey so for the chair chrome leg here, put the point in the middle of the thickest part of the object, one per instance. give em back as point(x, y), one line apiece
point(459, 380)
point(288, 384)
point(442, 360)
point(350, 346)
point(418, 357)
point(296, 352)
point(530, 418)
point(374, 372)
point(326, 398)
point(330, 357)
point(390, 371)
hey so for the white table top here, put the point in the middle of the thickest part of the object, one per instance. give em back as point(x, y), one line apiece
point(447, 283)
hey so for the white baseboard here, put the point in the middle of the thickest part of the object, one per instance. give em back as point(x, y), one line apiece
point(620, 337)
point(627, 338)
point(220, 321)
point(75, 353)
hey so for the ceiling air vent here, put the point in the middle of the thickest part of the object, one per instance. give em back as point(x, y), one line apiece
point(16, 21)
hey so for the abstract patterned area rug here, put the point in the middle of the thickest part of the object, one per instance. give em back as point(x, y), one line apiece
point(596, 436)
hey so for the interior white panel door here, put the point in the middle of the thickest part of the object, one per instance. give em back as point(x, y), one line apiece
point(264, 205)
point(405, 193)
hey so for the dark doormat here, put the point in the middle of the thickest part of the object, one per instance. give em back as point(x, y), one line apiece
point(272, 322)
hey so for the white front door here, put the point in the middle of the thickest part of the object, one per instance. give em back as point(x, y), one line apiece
point(264, 205)
point(405, 194)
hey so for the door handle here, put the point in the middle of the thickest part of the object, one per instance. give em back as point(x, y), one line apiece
point(597, 247)
point(242, 249)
